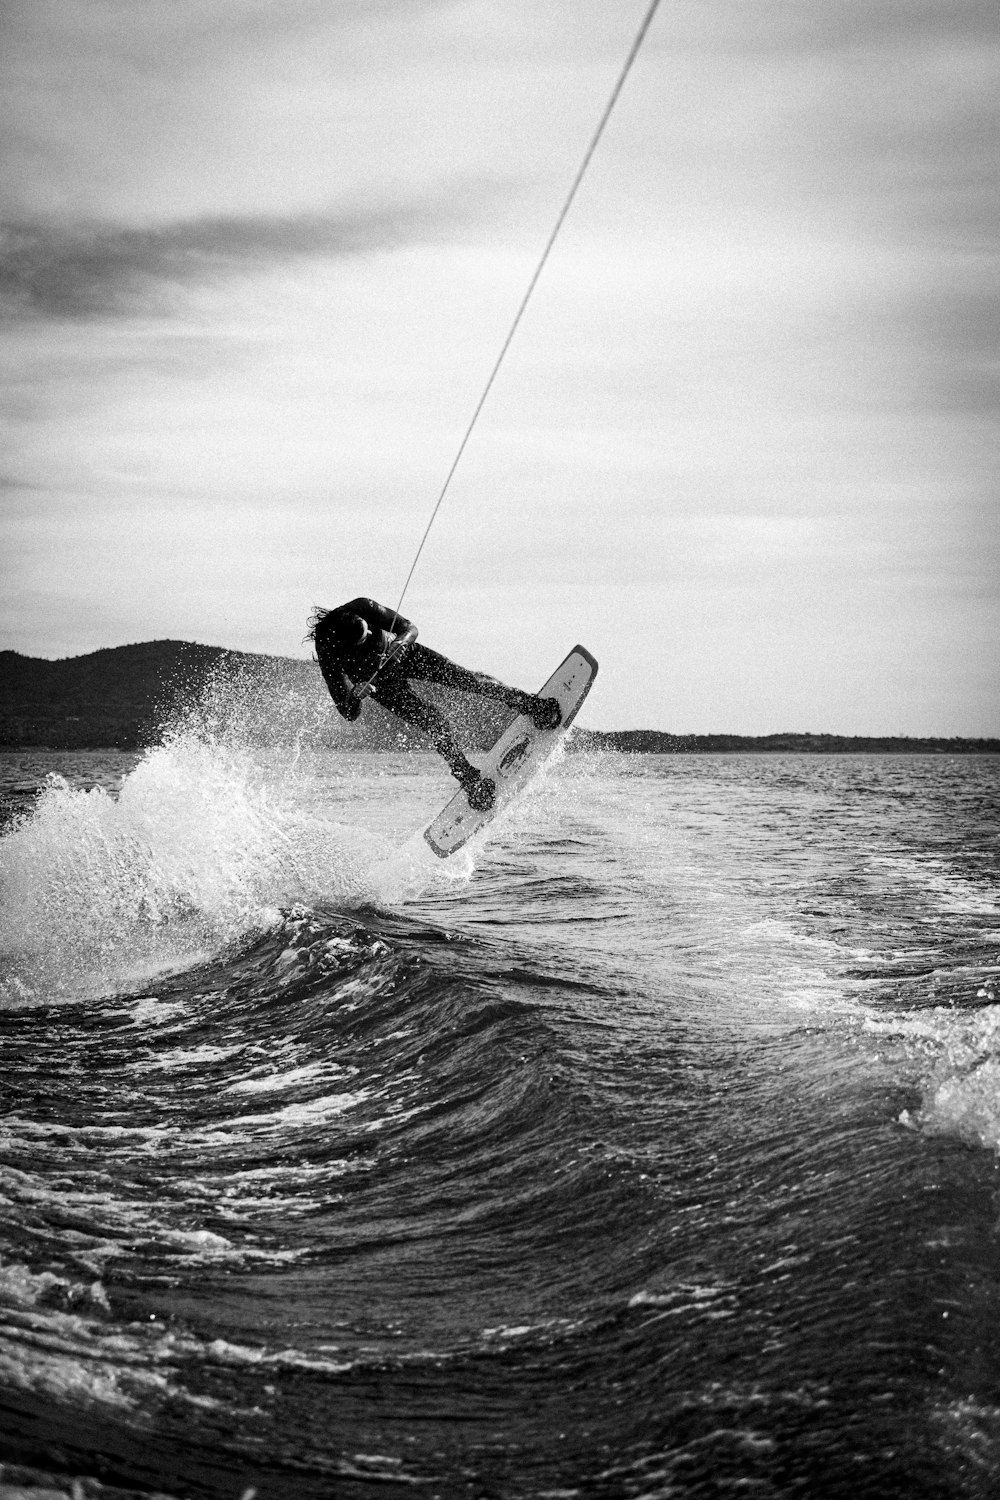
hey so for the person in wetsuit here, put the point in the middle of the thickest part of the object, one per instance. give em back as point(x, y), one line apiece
point(364, 648)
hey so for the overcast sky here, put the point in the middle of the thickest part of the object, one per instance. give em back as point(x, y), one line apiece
point(259, 257)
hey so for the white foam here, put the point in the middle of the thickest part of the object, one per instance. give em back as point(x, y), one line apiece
point(966, 1104)
point(209, 837)
point(312, 1112)
point(151, 1011)
point(294, 1076)
point(227, 1353)
point(185, 1057)
point(958, 1052)
point(25, 1288)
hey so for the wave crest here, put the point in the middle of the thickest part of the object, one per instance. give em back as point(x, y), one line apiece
point(211, 831)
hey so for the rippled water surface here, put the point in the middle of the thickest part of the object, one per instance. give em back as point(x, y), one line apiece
point(650, 1151)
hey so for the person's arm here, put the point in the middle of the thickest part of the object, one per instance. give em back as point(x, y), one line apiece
point(398, 627)
point(397, 632)
point(342, 691)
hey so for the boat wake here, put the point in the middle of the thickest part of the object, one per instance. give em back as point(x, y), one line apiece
point(208, 836)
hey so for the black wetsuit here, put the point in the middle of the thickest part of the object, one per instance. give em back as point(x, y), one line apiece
point(343, 666)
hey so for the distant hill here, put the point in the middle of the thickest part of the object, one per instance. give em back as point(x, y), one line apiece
point(653, 741)
point(126, 696)
point(108, 698)
point(123, 697)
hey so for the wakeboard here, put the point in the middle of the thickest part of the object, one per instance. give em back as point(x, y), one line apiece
point(517, 754)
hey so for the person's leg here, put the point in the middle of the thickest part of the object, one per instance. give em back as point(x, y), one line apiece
point(425, 665)
point(393, 692)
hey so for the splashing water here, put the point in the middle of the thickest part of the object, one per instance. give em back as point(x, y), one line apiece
point(958, 1055)
point(215, 827)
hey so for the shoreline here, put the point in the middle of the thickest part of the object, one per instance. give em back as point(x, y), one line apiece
point(588, 741)
point(118, 698)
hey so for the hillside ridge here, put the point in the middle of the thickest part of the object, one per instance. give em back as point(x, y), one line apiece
point(119, 697)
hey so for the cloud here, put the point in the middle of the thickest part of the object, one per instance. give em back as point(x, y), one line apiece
point(827, 25)
point(81, 270)
point(260, 258)
point(156, 114)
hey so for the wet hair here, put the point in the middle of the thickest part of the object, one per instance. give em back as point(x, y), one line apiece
point(315, 620)
point(346, 629)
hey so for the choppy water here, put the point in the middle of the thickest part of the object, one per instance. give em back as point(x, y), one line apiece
point(651, 1152)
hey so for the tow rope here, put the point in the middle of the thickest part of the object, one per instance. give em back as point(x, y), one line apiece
point(581, 170)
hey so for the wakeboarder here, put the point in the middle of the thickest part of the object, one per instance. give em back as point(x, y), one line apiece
point(365, 649)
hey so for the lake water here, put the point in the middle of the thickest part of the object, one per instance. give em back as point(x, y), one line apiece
point(649, 1150)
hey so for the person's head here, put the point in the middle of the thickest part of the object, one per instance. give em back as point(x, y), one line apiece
point(351, 630)
point(334, 627)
